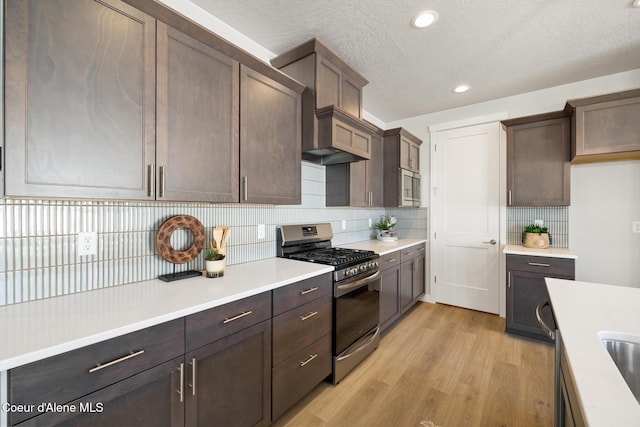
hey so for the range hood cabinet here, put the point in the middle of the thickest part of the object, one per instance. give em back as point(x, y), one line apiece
point(332, 136)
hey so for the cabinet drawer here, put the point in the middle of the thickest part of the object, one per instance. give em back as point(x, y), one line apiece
point(389, 260)
point(71, 375)
point(547, 266)
point(412, 252)
point(300, 327)
point(301, 373)
point(218, 322)
point(296, 294)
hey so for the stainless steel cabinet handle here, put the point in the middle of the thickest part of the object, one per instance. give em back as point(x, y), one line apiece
point(539, 264)
point(308, 316)
point(408, 253)
point(181, 389)
point(100, 366)
point(508, 279)
point(392, 260)
point(311, 357)
point(193, 376)
point(492, 241)
point(150, 180)
point(246, 188)
point(509, 197)
point(239, 316)
point(162, 181)
point(547, 330)
point(308, 291)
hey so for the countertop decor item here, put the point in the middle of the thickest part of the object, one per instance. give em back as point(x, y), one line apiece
point(384, 226)
point(168, 253)
point(536, 236)
point(215, 263)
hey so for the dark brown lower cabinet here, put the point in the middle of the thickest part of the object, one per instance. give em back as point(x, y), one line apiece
point(402, 282)
point(151, 398)
point(526, 288)
point(412, 275)
point(228, 382)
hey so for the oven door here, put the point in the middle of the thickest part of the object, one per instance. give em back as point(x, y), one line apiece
point(357, 310)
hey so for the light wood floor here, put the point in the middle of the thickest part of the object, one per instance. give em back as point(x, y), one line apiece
point(440, 364)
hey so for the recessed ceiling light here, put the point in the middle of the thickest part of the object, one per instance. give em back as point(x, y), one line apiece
point(424, 19)
point(636, 3)
point(461, 88)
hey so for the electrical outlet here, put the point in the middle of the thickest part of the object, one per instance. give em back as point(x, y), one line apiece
point(635, 226)
point(370, 223)
point(261, 231)
point(538, 222)
point(344, 224)
point(87, 243)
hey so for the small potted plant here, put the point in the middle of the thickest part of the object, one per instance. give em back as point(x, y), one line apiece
point(215, 263)
point(384, 226)
point(536, 236)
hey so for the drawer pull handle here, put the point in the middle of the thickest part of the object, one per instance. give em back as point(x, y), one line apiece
point(311, 357)
point(308, 291)
point(408, 253)
point(391, 260)
point(420, 249)
point(100, 366)
point(308, 316)
point(181, 389)
point(193, 376)
point(539, 264)
point(239, 316)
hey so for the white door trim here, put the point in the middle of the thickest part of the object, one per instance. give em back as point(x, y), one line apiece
point(478, 120)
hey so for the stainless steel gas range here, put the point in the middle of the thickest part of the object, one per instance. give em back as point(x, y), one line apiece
point(356, 290)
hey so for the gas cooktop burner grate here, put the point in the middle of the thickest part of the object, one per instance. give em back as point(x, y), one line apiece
point(333, 256)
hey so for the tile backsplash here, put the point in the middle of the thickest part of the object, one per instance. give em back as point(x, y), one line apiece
point(555, 218)
point(38, 256)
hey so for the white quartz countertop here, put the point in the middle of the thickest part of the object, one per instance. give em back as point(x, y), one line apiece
point(383, 248)
point(35, 330)
point(582, 310)
point(549, 252)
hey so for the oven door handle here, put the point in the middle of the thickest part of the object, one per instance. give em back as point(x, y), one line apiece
point(350, 353)
point(342, 289)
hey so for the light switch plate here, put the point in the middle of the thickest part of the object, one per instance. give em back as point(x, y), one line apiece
point(344, 224)
point(261, 231)
point(635, 226)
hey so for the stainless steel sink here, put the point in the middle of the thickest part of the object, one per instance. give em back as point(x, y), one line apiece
point(625, 351)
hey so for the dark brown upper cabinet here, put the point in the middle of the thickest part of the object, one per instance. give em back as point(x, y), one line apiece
point(401, 152)
point(538, 149)
point(333, 129)
point(605, 128)
point(358, 184)
point(101, 105)
point(79, 99)
point(198, 121)
point(270, 140)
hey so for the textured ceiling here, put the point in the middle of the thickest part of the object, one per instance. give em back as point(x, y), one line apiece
point(499, 47)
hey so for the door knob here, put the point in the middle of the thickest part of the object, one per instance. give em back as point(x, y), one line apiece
point(492, 241)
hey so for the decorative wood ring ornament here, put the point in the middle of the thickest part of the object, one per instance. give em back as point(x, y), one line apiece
point(163, 239)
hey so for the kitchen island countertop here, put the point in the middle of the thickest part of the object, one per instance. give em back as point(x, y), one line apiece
point(39, 329)
point(582, 310)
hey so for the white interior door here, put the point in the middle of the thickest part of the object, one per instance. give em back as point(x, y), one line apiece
point(467, 216)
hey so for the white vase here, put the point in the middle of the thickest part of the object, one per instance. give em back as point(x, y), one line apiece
point(387, 236)
point(215, 268)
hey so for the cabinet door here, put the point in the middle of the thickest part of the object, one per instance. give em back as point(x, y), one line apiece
point(358, 188)
point(538, 157)
point(151, 398)
point(328, 83)
point(351, 97)
point(418, 277)
point(389, 296)
point(608, 127)
point(270, 140)
point(79, 99)
point(375, 176)
point(198, 101)
point(228, 382)
point(409, 154)
point(406, 285)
